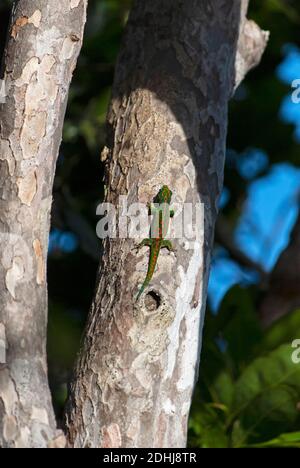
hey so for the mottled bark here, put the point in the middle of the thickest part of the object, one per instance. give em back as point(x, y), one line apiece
point(178, 67)
point(43, 43)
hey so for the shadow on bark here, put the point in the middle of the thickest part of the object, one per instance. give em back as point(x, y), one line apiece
point(183, 53)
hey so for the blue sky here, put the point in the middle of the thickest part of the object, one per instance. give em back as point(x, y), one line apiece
point(62, 241)
point(272, 203)
point(263, 231)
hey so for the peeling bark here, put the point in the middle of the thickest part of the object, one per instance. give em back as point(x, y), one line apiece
point(43, 43)
point(178, 67)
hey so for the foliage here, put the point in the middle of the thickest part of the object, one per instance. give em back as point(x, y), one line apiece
point(249, 389)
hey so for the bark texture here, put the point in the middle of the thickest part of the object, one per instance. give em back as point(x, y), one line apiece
point(43, 43)
point(178, 67)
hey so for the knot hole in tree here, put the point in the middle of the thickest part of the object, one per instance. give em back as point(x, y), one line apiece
point(153, 300)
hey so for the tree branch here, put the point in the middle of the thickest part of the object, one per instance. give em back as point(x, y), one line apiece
point(283, 294)
point(223, 236)
point(251, 45)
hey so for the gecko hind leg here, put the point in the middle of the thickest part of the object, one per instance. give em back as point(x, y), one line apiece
point(167, 245)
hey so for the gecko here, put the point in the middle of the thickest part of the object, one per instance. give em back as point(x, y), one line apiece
point(160, 208)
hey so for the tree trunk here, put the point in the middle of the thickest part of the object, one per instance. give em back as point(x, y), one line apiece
point(178, 67)
point(43, 43)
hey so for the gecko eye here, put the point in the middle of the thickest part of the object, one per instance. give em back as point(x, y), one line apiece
point(153, 300)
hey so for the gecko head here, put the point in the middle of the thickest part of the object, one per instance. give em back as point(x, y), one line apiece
point(164, 195)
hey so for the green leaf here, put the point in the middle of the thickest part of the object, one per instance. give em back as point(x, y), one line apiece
point(213, 362)
point(290, 440)
point(224, 388)
point(235, 300)
point(266, 396)
point(281, 6)
point(284, 330)
point(237, 324)
point(206, 428)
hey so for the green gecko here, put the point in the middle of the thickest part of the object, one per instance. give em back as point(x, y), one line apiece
point(158, 241)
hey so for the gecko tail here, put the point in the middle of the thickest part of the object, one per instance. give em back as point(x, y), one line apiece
point(142, 289)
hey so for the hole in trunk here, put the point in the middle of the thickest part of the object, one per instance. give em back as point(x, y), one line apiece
point(153, 300)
